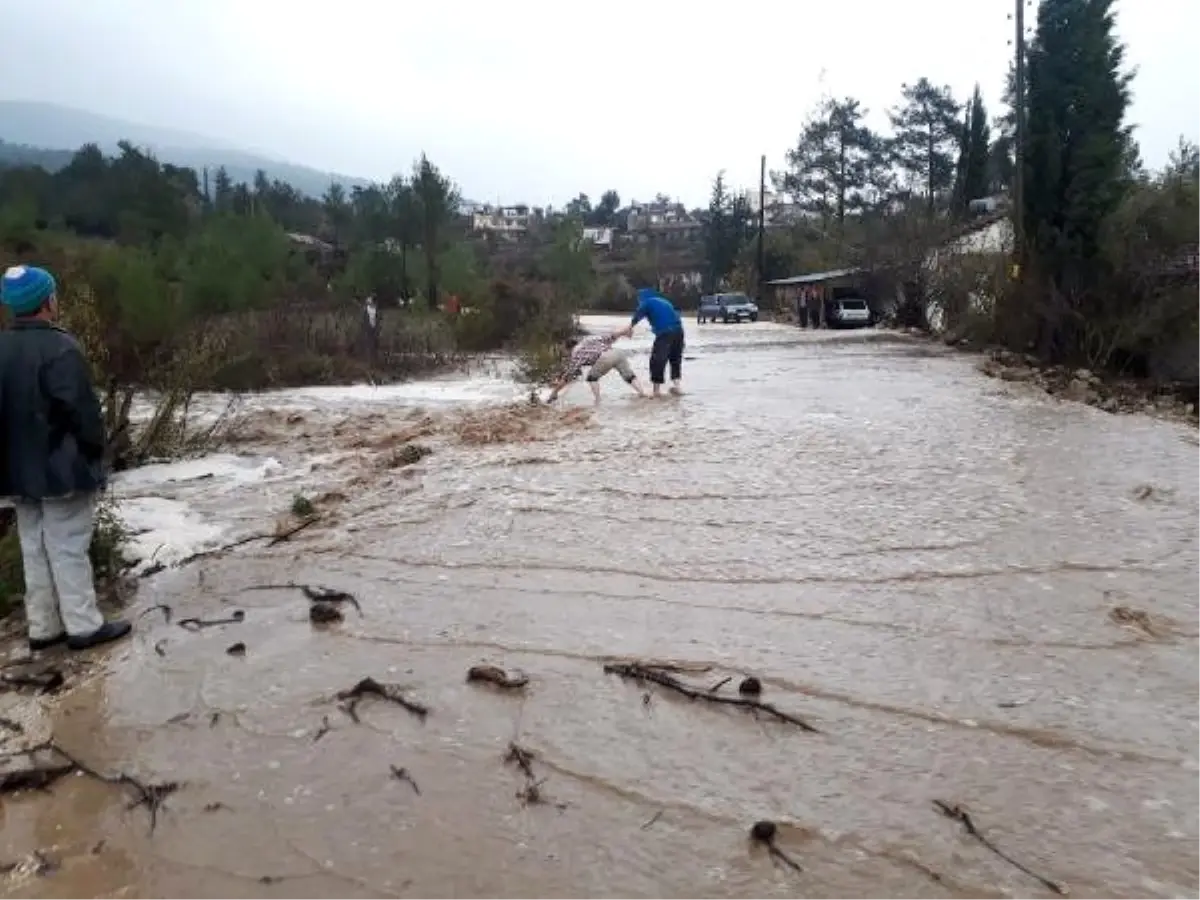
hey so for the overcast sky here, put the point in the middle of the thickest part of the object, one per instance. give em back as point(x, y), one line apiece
point(537, 101)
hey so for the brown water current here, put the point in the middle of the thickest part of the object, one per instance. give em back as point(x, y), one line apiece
point(920, 561)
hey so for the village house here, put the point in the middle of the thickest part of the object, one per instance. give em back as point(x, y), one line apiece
point(598, 236)
point(506, 220)
point(663, 221)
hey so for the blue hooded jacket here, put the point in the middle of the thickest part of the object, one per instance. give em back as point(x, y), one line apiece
point(658, 311)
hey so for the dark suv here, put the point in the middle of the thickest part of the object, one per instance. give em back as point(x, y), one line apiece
point(727, 308)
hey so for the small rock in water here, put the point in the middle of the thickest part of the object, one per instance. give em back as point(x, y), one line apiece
point(764, 831)
point(750, 687)
point(497, 676)
point(322, 612)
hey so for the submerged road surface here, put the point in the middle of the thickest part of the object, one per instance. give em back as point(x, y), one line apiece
point(975, 594)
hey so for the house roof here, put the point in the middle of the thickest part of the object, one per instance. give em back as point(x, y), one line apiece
point(815, 277)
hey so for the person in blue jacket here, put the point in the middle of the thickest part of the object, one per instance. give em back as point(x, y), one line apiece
point(665, 322)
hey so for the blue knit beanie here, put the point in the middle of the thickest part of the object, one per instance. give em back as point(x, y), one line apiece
point(24, 289)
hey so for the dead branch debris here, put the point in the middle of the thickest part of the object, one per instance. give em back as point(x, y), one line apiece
point(401, 774)
point(194, 624)
point(40, 773)
point(166, 611)
point(643, 673)
point(316, 593)
point(1138, 620)
point(764, 832)
point(497, 676)
point(286, 534)
point(369, 687)
point(530, 793)
point(323, 730)
point(48, 680)
point(959, 814)
point(272, 538)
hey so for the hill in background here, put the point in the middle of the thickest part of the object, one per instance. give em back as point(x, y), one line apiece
point(47, 135)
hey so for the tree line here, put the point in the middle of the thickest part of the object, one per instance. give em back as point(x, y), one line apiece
point(1101, 277)
point(178, 280)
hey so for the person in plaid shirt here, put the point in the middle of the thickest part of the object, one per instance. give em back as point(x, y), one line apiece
point(598, 353)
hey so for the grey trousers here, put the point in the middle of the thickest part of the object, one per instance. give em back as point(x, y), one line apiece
point(59, 589)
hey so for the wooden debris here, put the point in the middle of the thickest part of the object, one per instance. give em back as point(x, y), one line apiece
point(369, 687)
point(645, 673)
point(959, 814)
point(194, 624)
point(145, 794)
point(401, 774)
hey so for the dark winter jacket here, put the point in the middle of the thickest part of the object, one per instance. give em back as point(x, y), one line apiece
point(51, 426)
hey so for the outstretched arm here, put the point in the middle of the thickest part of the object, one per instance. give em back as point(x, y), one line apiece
point(638, 315)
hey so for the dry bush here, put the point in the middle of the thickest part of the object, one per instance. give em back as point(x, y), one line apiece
point(292, 345)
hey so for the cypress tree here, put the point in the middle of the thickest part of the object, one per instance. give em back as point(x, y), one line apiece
point(1077, 144)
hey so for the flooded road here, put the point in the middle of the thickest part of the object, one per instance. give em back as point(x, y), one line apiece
point(944, 574)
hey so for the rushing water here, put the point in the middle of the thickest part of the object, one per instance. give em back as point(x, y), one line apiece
point(921, 562)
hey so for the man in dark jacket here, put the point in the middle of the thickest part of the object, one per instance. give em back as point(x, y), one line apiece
point(51, 464)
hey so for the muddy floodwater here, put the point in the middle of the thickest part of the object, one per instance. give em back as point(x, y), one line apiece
point(974, 593)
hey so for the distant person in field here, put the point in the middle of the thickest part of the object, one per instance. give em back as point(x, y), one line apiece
point(667, 326)
point(51, 464)
point(598, 352)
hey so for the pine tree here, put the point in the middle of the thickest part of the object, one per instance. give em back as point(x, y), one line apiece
point(926, 130)
point(1078, 146)
point(829, 166)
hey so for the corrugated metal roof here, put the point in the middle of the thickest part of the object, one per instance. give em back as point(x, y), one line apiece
point(815, 277)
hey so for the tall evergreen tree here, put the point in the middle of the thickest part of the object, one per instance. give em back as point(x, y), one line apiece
point(436, 199)
point(726, 230)
point(926, 130)
point(829, 166)
point(1078, 146)
point(972, 180)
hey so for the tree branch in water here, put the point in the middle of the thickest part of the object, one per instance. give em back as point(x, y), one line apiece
point(960, 815)
point(643, 673)
point(369, 687)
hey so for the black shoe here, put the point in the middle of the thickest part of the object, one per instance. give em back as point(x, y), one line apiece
point(36, 645)
point(106, 633)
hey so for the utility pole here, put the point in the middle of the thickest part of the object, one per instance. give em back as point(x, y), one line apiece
point(762, 224)
point(1019, 149)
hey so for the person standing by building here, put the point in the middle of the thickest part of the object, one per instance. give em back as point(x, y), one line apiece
point(51, 464)
point(667, 326)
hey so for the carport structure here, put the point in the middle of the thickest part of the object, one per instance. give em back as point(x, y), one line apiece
point(807, 295)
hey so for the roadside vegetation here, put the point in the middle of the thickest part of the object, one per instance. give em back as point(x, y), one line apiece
point(173, 289)
point(1106, 276)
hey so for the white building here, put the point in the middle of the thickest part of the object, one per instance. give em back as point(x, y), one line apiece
point(511, 220)
point(598, 237)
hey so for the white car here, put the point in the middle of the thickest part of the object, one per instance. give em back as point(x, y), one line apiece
point(849, 312)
